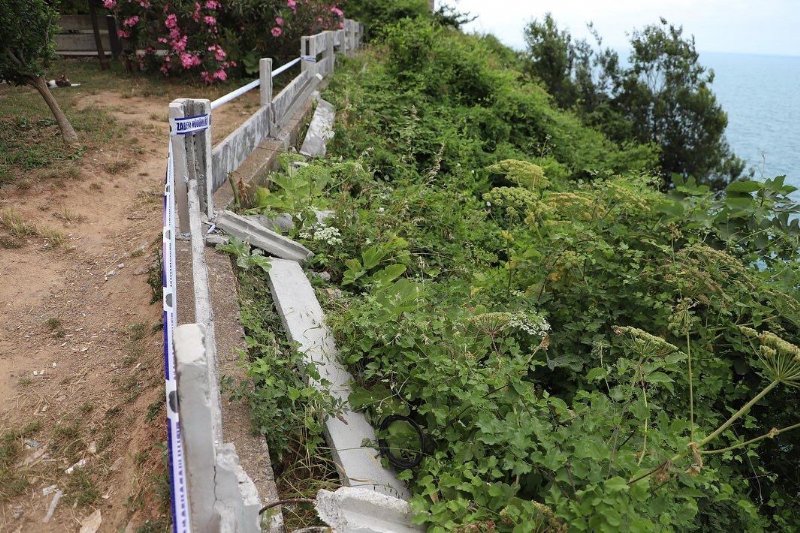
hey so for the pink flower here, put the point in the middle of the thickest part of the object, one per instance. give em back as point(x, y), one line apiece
point(219, 53)
point(179, 45)
point(144, 3)
point(220, 75)
point(131, 21)
point(206, 77)
point(211, 21)
point(171, 21)
point(123, 34)
point(189, 60)
point(212, 4)
point(276, 31)
point(279, 21)
point(341, 25)
point(292, 4)
point(336, 11)
point(196, 14)
point(109, 4)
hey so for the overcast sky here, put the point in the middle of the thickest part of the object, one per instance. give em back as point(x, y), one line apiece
point(743, 26)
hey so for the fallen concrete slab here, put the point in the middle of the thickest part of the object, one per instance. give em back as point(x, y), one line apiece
point(351, 510)
point(257, 235)
point(320, 131)
point(303, 320)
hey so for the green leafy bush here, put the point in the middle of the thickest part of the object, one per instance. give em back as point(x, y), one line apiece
point(582, 350)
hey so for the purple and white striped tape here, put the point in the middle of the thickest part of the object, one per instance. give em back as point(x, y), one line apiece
point(177, 465)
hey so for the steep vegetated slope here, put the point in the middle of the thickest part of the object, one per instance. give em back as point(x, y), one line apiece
point(580, 350)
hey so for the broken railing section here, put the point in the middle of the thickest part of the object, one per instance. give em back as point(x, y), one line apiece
point(223, 497)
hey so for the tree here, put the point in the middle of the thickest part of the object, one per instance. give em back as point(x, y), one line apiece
point(665, 94)
point(662, 96)
point(27, 46)
point(551, 58)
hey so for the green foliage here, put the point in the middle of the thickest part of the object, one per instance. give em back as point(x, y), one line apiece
point(377, 15)
point(26, 48)
point(441, 103)
point(571, 339)
point(543, 339)
point(286, 408)
point(663, 96)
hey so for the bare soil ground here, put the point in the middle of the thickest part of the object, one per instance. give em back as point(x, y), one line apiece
point(81, 368)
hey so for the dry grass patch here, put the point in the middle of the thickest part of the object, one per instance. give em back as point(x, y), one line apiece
point(18, 230)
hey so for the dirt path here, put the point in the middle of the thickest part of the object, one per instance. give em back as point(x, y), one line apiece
point(81, 373)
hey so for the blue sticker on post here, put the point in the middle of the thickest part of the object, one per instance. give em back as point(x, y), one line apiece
point(187, 125)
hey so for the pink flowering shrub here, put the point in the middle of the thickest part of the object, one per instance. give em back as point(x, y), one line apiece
point(214, 39)
point(177, 36)
point(273, 28)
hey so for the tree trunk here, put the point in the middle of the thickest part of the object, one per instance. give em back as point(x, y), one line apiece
point(67, 132)
point(98, 42)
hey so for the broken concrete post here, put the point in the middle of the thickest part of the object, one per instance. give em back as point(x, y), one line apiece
point(194, 401)
point(236, 494)
point(320, 131)
point(304, 323)
point(350, 510)
point(265, 75)
point(257, 235)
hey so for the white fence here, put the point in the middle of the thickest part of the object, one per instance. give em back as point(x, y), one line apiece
point(195, 170)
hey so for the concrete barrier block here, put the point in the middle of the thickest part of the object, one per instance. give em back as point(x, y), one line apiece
point(257, 235)
point(304, 323)
point(320, 131)
point(194, 401)
point(355, 510)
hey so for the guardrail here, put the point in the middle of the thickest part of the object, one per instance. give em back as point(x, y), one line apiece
point(201, 467)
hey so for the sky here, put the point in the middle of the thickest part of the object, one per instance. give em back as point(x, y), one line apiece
point(769, 27)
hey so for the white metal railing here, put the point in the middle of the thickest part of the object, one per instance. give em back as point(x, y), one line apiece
point(252, 85)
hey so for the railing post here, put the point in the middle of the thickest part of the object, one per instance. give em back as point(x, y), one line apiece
point(308, 52)
point(265, 75)
point(330, 53)
point(190, 122)
point(177, 111)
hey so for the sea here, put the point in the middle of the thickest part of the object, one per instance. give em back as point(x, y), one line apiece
point(761, 95)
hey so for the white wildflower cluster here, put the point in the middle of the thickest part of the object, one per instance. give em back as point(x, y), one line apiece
point(321, 233)
point(530, 323)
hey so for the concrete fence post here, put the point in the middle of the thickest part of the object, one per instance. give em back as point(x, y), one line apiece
point(307, 62)
point(330, 52)
point(190, 122)
point(265, 75)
